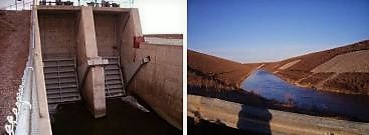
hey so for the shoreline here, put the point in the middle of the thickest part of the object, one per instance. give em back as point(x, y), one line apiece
point(326, 89)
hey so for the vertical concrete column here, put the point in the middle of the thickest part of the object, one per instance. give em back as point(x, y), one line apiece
point(90, 71)
point(43, 110)
point(130, 30)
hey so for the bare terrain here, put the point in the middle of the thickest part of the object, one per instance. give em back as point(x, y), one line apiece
point(14, 42)
point(228, 72)
point(343, 69)
point(215, 77)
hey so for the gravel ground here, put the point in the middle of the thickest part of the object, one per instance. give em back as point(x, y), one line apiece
point(14, 41)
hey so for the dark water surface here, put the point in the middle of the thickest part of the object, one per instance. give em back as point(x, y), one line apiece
point(121, 119)
point(272, 87)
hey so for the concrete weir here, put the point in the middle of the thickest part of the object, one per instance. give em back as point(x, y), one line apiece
point(95, 53)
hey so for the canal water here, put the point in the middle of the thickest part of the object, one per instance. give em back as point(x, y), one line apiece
point(121, 119)
point(271, 87)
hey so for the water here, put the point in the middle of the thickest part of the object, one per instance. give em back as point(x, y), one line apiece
point(272, 87)
point(121, 119)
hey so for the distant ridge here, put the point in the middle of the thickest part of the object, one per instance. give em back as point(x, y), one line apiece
point(229, 72)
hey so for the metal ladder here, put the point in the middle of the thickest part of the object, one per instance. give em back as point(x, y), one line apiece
point(114, 86)
point(61, 80)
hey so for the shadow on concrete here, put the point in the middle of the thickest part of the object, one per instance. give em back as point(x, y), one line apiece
point(203, 127)
point(251, 120)
point(254, 120)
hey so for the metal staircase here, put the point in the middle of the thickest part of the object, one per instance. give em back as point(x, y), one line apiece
point(113, 78)
point(61, 80)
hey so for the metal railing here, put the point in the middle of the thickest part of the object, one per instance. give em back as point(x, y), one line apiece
point(19, 5)
point(27, 4)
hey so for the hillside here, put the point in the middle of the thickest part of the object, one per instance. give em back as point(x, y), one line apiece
point(344, 69)
point(211, 76)
point(228, 72)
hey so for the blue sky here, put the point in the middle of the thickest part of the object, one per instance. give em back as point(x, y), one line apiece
point(270, 30)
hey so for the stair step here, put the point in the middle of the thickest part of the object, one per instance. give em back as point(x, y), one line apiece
point(114, 86)
point(61, 80)
point(115, 90)
point(55, 65)
point(112, 77)
point(59, 59)
point(56, 81)
point(110, 82)
point(59, 68)
point(114, 95)
point(49, 92)
point(61, 76)
point(61, 87)
point(112, 72)
point(111, 67)
point(60, 71)
point(61, 100)
point(63, 95)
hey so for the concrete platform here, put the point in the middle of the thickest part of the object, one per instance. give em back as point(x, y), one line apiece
point(268, 121)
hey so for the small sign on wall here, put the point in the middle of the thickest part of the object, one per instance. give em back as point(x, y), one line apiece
point(137, 41)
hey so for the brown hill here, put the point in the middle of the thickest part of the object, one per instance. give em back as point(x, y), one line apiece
point(343, 69)
point(215, 77)
point(228, 72)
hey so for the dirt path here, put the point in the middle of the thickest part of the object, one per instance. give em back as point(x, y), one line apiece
point(14, 41)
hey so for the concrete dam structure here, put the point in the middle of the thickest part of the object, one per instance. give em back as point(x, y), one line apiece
point(92, 54)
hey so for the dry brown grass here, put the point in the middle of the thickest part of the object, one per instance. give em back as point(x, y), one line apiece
point(229, 72)
point(293, 75)
point(215, 77)
point(350, 82)
point(198, 80)
point(315, 78)
point(310, 61)
point(301, 72)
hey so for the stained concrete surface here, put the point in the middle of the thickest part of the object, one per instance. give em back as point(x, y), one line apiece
point(159, 82)
point(58, 36)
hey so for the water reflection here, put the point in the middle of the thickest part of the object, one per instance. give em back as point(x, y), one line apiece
point(122, 118)
point(272, 87)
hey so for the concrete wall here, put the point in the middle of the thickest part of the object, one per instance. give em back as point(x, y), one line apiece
point(106, 34)
point(159, 82)
point(268, 121)
point(131, 28)
point(57, 31)
point(91, 76)
point(44, 119)
point(71, 33)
